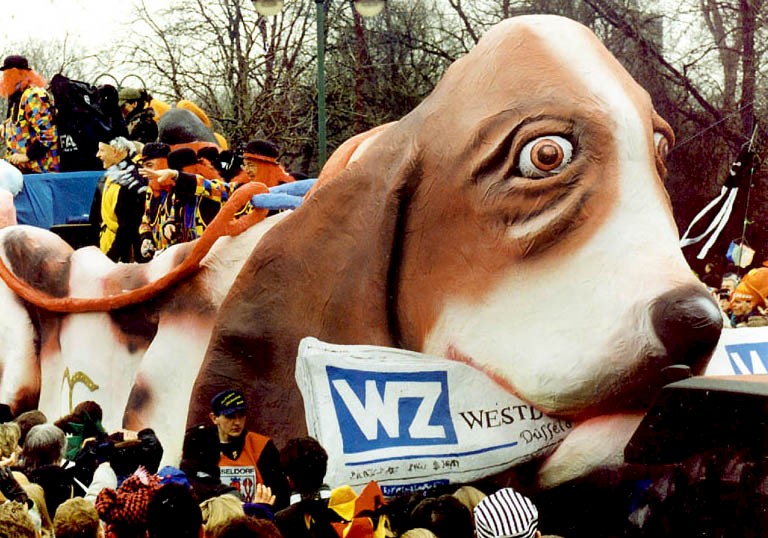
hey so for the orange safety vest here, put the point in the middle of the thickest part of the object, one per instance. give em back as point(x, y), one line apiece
point(243, 473)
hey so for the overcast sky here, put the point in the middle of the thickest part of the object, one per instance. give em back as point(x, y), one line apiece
point(93, 24)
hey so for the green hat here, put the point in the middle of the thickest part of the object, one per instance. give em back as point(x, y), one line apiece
point(128, 94)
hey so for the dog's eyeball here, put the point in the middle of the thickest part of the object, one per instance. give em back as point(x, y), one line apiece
point(545, 156)
point(662, 145)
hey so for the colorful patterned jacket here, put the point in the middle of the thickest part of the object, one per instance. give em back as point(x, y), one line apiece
point(189, 207)
point(29, 129)
point(197, 201)
point(158, 214)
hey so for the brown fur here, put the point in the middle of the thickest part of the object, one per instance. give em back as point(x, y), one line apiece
point(44, 265)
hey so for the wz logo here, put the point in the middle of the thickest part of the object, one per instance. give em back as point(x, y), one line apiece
point(380, 410)
point(748, 358)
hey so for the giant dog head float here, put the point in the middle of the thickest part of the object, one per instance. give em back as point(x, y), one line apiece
point(515, 221)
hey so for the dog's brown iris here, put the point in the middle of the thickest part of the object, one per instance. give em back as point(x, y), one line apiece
point(547, 155)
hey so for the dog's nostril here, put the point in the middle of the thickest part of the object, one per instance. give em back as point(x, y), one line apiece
point(688, 323)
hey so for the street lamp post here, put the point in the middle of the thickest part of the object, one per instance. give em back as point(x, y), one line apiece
point(366, 8)
point(322, 135)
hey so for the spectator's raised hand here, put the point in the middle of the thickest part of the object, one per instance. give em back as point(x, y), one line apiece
point(263, 495)
point(142, 474)
point(159, 179)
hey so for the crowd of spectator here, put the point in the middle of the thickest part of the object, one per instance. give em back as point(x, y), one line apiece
point(72, 479)
point(742, 299)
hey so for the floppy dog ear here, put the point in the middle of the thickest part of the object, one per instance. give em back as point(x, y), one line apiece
point(347, 153)
point(324, 271)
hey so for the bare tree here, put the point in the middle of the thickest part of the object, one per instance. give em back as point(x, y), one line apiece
point(237, 66)
point(379, 69)
point(256, 77)
point(62, 56)
point(710, 96)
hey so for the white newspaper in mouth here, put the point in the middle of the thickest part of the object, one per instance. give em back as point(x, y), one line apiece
point(411, 421)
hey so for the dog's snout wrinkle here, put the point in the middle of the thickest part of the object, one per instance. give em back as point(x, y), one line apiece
point(688, 322)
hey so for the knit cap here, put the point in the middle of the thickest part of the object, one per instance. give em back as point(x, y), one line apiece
point(126, 508)
point(753, 287)
point(506, 514)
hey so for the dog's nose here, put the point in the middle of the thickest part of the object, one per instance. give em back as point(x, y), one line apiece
point(688, 322)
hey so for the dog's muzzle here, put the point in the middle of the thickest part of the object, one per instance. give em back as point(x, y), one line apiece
point(688, 322)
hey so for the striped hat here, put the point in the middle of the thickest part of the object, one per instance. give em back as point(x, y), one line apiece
point(506, 514)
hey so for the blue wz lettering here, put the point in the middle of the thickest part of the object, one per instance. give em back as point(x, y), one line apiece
point(384, 409)
point(748, 358)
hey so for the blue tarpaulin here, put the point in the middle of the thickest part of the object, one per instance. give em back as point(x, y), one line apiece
point(56, 198)
point(62, 198)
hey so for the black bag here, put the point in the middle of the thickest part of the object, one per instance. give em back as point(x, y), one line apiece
point(85, 115)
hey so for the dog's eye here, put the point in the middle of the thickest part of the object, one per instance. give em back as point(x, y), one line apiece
point(545, 156)
point(662, 145)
